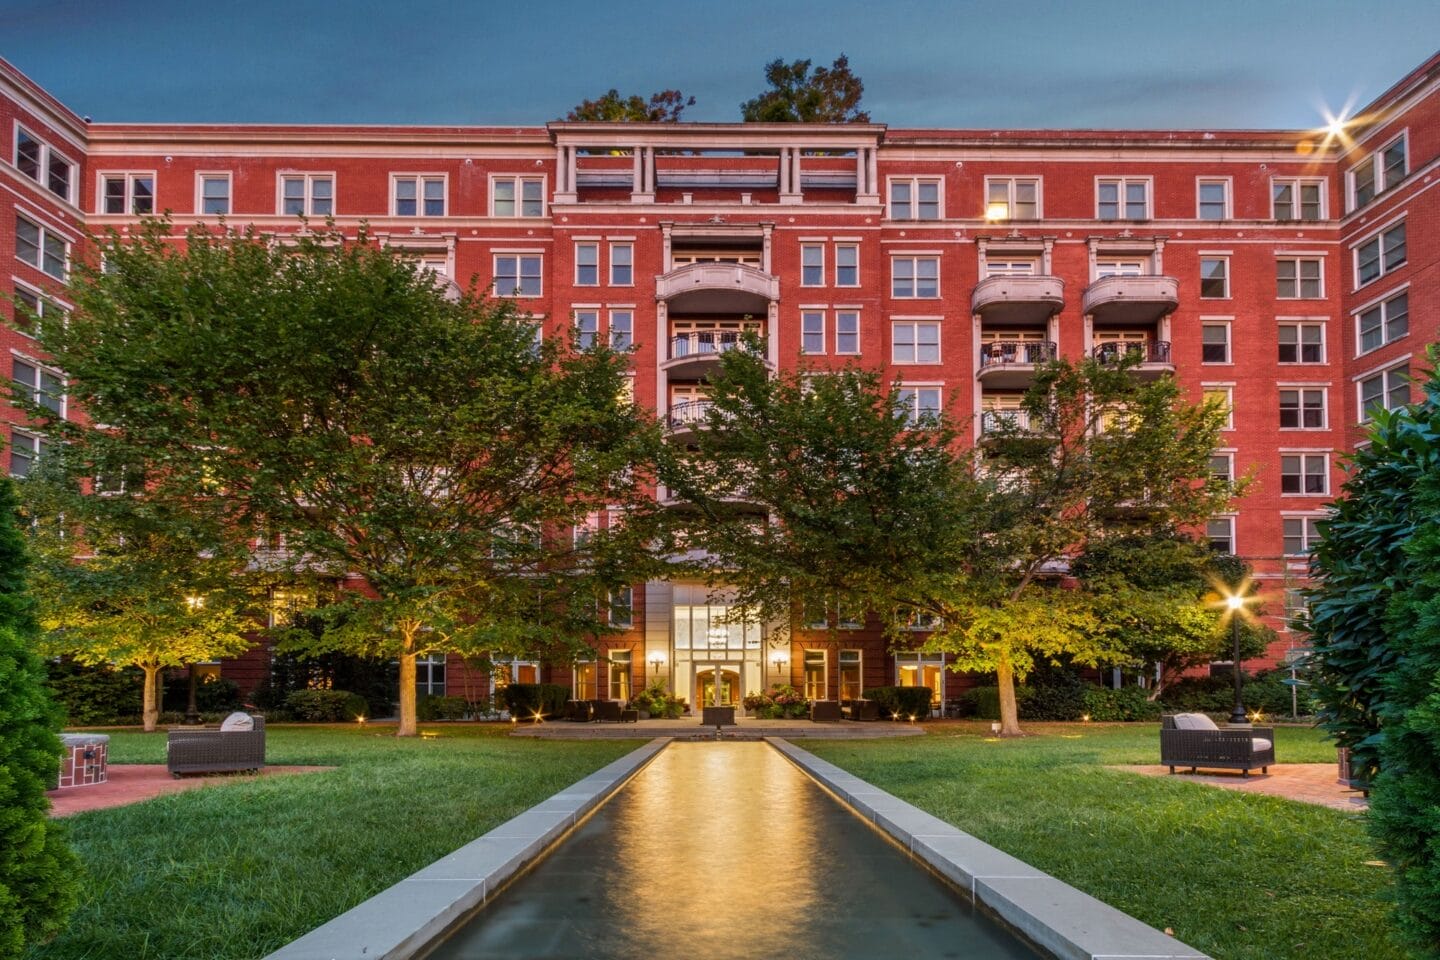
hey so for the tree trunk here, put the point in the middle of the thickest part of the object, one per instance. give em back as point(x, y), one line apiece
point(150, 711)
point(1009, 713)
point(407, 696)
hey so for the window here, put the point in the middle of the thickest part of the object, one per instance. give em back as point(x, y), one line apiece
point(214, 194)
point(1302, 409)
point(1380, 254)
point(517, 197)
point(620, 674)
point(307, 194)
point(1124, 199)
point(1381, 171)
point(1224, 398)
point(1301, 535)
point(430, 675)
point(1212, 200)
point(1214, 278)
point(622, 608)
point(915, 277)
point(1298, 279)
point(132, 193)
point(921, 670)
point(41, 247)
point(1011, 268)
point(847, 265)
point(1297, 604)
point(587, 264)
point(1386, 390)
point(812, 265)
point(25, 450)
point(1362, 183)
point(622, 259)
point(1012, 198)
point(622, 329)
point(847, 332)
point(812, 331)
point(1302, 343)
point(585, 681)
point(1215, 343)
point(43, 163)
point(1304, 473)
point(850, 675)
point(1118, 268)
point(45, 387)
point(1297, 199)
point(915, 199)
point(919, 405)
point(517, 276)
point(915, 343)
point(1220, 531)
point(417, 196)
point(28, 152)
point(1385, 322)
point(587, 328)
point(1222, 467)
point(29, 306)
point(815, 686)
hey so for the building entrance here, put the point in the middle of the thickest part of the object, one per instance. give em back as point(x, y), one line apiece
point(718, 685)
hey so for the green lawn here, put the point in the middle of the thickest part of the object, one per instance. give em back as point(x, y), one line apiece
point(1238, 876)
point(238, 870)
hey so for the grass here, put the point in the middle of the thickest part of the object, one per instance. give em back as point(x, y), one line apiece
point(239, 870)
point(1238, 876)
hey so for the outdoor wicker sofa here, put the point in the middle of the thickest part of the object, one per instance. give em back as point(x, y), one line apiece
point(606, 710)
point(1193, 740)
point(861, 709)
point(213, 750)
point(825, 711)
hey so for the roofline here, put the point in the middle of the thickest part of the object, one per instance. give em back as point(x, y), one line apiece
point(47, 102)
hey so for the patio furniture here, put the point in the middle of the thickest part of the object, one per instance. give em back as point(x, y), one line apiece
point(825, 711)
point(578, 711)
point(607, 710)
point(718, 716)
point(1193, 740)
point(84, 762)
point(861, 710)
point(629, 716)
point(227, 748)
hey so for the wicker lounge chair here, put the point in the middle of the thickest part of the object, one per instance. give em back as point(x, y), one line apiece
point(214, 750)
point(825, 711)
point(861, 710)
point(607, 710)
point(1193, 740)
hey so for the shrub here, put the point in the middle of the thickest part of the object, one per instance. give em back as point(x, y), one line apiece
point(92, 696)
point(325, 706)
point(525, 700)
point(1053, 694)
point(378, 681)
point(430, 707)
point(1266, 692)
point(984, 702)
point(658, 701)
point(781, 702)
point(904, 702)
point(1125, 704)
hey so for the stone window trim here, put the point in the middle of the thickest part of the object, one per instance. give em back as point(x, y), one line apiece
point(1391, 305)
point(522, 198)
point(420, 181)
point(1385, 239)
point(313, 200)
point(46, 160)
point(1227, 207)
point(205, 177)
point(136, 196)
point(1123, 194)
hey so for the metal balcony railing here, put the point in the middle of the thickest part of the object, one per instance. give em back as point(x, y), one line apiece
point(1148, 351)
point(993, 420)
point(998, 353)
point(701, 343)
point(686, 414)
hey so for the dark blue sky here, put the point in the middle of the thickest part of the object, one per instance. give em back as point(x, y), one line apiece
point(1163, 63)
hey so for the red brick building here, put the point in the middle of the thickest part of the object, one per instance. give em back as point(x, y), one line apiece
point(1294, 272)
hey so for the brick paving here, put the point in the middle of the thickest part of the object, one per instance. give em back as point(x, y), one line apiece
point(1305, 782)
point(133, 782)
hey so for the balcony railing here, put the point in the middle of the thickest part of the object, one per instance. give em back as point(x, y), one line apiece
point(705, 343)
point(1002, 353)
point(688, 414)
point(1146, 351)
point(993, 420)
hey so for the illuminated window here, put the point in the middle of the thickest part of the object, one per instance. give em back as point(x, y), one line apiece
point(620, 661)
point(1012, 198)
point(815, 685)
point(850, 675)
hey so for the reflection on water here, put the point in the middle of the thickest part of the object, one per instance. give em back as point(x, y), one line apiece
point(726, 850)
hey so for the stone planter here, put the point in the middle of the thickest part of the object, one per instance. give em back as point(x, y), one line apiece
point(718, 717)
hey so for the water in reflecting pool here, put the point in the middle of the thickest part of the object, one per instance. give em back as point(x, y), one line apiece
point(727, 850)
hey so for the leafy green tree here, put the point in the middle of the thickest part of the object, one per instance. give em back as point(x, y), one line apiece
point(326, 398)
point(798, 95)
point(663, 107)
point(37, 869)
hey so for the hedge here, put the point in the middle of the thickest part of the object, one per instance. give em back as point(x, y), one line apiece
point(325, 706)
point(905, 702)
point(525, 700)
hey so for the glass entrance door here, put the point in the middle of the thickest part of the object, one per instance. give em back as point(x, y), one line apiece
point(717, 685)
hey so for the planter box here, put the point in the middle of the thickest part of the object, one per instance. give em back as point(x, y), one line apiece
point(718, 717)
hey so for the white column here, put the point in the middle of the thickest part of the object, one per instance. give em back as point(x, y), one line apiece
point(874, 166)
point(570, 164)
point(559, 169)
point(784, 171)
point(650, 170)
point(637, 173)
point(861, 170)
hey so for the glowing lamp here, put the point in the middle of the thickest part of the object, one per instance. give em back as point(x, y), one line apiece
point(999, 210)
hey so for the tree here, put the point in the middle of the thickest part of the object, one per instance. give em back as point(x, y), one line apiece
point(663, 107)
point(796, 95)
point(326, 398)
point(37, 869)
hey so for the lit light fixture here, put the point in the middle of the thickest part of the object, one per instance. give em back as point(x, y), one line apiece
point(1235, 601)
point(657, 661)
point(780, 664)
point(1085, 717)
point(995, 726)
point(999, 210)
point(193, 603)
point(360, 719)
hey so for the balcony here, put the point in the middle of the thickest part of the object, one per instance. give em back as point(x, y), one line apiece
point(686, 417)
point(1018, 299)
point(691, 355)
point(1011, 363)
point(1131, 299)
point(994, 420)
point(718, 288)
point(1150, 357)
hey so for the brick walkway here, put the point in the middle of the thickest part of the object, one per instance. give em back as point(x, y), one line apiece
point(133, 782)
point(1306, 782)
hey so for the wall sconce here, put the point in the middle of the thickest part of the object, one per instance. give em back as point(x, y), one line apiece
point(657, 662)
point(780, 664)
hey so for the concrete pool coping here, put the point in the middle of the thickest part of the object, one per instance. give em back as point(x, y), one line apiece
point(1070, 924)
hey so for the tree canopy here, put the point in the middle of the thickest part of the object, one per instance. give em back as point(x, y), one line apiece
point(796, 94)
point(665, 106)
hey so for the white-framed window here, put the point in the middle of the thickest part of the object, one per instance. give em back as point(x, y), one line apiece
point(1384, 322)
point(622, 608)
point(915, 278)
point(44, 164)
point(620, 661)
point(1300, 534)
point(847, 332)
point(1222, 466)
point(212, 194)
point(1215, 343)
point(812, 265)
point(1220, 532)
point(847, 265)
point(1302, 408)
point(41, 247)
point(585, 674)
point(851, 675)
point(30, 305)
point(307, 194)
point(1302, 342)
point(1304, 473)
point(45, 387)
point(1297, 198)
point(1381, 253)
point(1122, 198)
point(1385, 390)
point(915, 341)
point(922, 670)
point(919, 405)
point(622, 329)
point(815, 664)
point(812, 331)
point(1297, 604)
point(622, 264)
point(915, 198)
point(1119, 268)
point(514, 196)
point(1012, 198)
point(418, 194)
point(1299, 278)
point(587, 264)
point(1380, 171)
point(1012, 267)
point(127, 193)
point(587, 328)
point(518, 275)
point(430, 675)
point(1212, 199)
point(26, 449)
point(1222, 394)
point(1215, 278)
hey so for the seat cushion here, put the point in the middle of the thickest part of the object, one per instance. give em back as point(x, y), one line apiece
point(1194, 721)
point(237, 722)
point(1260, 744)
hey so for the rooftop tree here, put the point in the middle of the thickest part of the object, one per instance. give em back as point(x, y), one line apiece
point(663, 107)
point(799, 95)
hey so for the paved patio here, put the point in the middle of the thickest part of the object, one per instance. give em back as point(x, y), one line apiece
point(690, 728)
point(1305, 782)
point(133, 782)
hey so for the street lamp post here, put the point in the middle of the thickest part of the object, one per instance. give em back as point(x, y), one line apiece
point(1236, 603)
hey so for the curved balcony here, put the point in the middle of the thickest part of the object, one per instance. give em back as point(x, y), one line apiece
point(1011, 363)
point(1131, 299)
point(718, 288)
point(1018, 299)
point(686, 417)
point(1150, 358)
point(692, 355)
point(993, 420)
